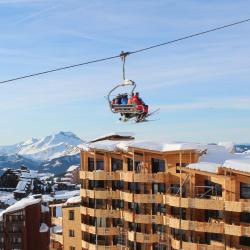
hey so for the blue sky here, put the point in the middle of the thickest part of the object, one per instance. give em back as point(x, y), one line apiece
point(201, 84)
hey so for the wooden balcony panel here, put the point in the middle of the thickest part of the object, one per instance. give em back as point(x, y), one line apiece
point(193, 246)
point(126, 196)
point(142, 218)
point(176, 201)
point(127, 216)
point(89, 246)
point(194, 225)
point(82, 175)
point(56, 221)
point(57, 237)
point(100, 194)
point(143, 238)
point(100, 230)
point(142, 177)
point(237, 206)
point(148, 198)
point(237, 230)
point(101, 212)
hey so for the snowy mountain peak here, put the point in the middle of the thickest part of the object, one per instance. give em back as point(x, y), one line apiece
point(49, 147)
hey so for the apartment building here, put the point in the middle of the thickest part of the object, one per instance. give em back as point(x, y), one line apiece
point(66, 225)
point(147, 195)
point(25, 225)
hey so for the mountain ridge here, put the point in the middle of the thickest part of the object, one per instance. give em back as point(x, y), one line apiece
point(51, 153)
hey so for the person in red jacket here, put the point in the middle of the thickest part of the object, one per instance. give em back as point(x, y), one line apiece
point(138, 102)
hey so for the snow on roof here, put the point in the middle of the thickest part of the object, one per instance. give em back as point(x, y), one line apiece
point(242, 165)
point(228, 145)
point(22, 185)
point(66, 195)
point(23, 203)
point(147, 145)
point(43, 228)
point(47, 198)
point(74, 200)
point(44, 209)
point(204, 166)
point(29, 175)
point(217, 154)
point(72, 168)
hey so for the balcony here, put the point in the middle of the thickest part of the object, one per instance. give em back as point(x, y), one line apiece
point(209, 227)
point(176, 244)
point(57, 237)
point(100, 194)
point(91, 246)
point(142, 177)
point(142, 218)
point(197, 203)
point(143, 238)
point(99, 230)
point(237, 230)
point(101, 212)
point(237, 206)
point(99, 175)
point(141, 198)
point(56, 221)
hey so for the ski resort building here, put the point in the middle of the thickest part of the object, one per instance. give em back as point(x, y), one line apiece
point(147, 195)
point(25, 225)
point(66, 225)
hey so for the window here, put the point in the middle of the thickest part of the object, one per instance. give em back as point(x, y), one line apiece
point(244, 190)
point(158, 165)
point(245, 217)
point(96, 184)
point(116, 164)
point(91, 165)
point(212, 189)
point(117, 185)
point(72, 248)
point(245, 241)
point(71, 215)
point(131, 167)
point(71, 233)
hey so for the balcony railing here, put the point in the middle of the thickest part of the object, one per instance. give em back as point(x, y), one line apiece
point(100, 230)
point(57, 237)
point(91, 246)
point(143, 238)
point(56, 221)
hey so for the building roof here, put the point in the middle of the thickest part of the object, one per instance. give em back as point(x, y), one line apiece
point(72, 168)
point(74, 200)
point(22, 204)
point(145, 145)
point(212, 156)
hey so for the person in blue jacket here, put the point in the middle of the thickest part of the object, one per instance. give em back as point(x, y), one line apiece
point(124, 99)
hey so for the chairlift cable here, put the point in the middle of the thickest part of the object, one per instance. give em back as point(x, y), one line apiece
point(124, 54)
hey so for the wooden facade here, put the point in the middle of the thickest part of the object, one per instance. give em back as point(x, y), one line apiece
point(142, 199)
